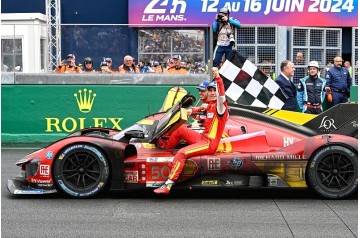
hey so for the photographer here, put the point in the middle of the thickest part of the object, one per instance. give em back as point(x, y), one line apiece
point(68, 66)
point(223, 28)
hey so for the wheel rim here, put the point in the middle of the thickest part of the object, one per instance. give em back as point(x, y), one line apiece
point(335, 172)
point(81, 171)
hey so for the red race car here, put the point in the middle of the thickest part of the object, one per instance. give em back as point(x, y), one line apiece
point(257, 150)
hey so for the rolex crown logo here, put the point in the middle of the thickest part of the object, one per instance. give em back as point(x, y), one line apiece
point(85, 100)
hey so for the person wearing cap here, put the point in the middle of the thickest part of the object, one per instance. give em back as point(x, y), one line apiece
point(109, 64)
point(311, 90)
point(196, 112)
point(203, 93)
point(68, 66)
point(338, 81)
point(104, 68)
point(129, 66)
point(176, 68)
point(71, 57)
point(156, 67)
point(223, 28)
point(88, 66)
point(204, 143)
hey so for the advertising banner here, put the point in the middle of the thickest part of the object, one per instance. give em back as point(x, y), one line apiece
point(331, 13)
point(45, 113)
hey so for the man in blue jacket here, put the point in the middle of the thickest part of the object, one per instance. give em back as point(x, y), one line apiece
point(311, 90)
point(338, 81)
point(284, 81)
point(223, 28)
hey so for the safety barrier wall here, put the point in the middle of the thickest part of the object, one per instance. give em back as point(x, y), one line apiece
point(43, 108)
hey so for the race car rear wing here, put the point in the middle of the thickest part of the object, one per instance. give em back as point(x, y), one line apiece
point(341, 119)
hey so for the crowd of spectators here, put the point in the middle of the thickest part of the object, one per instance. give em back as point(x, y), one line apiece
point(130, 65)
point(156, 48)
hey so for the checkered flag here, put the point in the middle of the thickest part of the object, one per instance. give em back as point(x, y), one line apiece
point(246, 84)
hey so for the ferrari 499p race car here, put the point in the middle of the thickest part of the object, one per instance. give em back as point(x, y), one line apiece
point(257, 150)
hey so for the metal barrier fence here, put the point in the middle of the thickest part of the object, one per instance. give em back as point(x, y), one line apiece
point(313, 43)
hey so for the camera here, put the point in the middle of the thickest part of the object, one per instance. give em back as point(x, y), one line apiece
point(68, 62)
point(220, 17)
point(231, 38)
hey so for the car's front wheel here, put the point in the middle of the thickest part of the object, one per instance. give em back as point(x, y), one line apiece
point(81, 171)
point(332, 172)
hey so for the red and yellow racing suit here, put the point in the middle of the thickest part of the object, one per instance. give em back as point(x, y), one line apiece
point(200, 144)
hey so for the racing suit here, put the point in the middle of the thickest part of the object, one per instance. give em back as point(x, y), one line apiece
point(200, 144)
point(311, 94)
point(339, 81)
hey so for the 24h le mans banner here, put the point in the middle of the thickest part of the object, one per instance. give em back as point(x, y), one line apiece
point(332, 13)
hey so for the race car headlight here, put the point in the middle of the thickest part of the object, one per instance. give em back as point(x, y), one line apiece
point(32, 167)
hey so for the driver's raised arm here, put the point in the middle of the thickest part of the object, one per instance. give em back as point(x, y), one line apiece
point(221, 100)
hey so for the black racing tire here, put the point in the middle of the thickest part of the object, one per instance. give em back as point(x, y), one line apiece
point(332, 172)
point(81, 171)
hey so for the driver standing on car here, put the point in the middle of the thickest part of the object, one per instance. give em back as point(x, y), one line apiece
point(199, 144)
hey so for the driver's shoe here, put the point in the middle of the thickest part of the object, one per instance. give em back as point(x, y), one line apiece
point(164, 189)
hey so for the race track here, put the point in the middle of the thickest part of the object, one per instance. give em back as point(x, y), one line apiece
point(196, 213)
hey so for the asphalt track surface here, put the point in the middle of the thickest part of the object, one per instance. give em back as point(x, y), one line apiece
point(197, 213)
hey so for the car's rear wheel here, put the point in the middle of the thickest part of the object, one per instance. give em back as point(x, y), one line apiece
point(332, 172)
point(81, 170)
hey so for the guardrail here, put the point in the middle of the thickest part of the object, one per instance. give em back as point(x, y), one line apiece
point(143, 79)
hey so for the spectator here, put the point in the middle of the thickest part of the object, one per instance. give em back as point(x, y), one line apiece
point(4, 68)
point(18, 68)
point(71, 57)
point(300, 70)
point(266, 69)
point(88, 66)
point(283, 80)
point(338, 81)
point(109, 64)
point(156, 67)
point(104, 68)
point(223, 28)
point(177, 68)
point(129, 66)
point(144, 69)
point(311, 90)
point(199, 69)
point(68, 66)
point(347, 65)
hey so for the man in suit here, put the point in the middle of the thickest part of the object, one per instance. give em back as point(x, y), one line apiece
point(284, 81)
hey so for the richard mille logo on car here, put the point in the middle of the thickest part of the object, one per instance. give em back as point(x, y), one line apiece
point(280, 157)
point(84, 100)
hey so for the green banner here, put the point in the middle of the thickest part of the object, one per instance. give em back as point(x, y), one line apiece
point(44, 113)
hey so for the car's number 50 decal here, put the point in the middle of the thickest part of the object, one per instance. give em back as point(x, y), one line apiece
point(159, 172)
